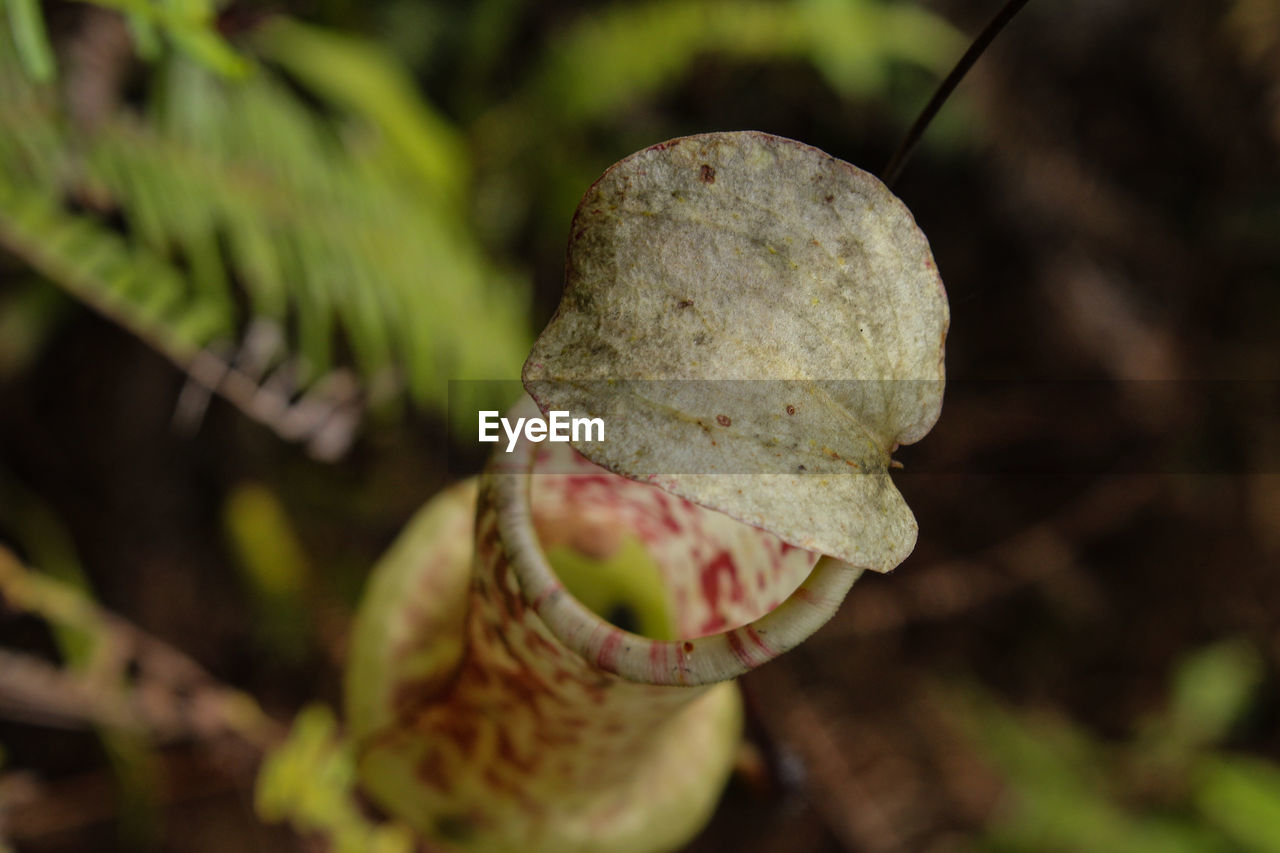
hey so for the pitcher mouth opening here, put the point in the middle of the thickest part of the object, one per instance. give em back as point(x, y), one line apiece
point(647, 585)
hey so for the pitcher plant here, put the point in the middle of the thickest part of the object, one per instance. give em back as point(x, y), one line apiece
point(544, 661)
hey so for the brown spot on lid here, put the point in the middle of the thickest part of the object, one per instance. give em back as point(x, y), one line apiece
point(791, 410)
point(723, 420)
point(708, 174)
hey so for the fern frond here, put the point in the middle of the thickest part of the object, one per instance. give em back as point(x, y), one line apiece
point(230, 187)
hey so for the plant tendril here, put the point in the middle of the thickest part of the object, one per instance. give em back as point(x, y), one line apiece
point(946, 87)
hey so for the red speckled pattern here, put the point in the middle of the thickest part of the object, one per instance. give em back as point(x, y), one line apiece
point(531, 745)
point(719, 573)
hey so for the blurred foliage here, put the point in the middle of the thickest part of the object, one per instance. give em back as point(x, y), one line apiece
point(187, 24)
point(115, 675)
point(352, 220)
point(86, 650)
point(606, 65)
point(274, 566)
point(1171, 788)
point(1242, 796)
point(29, 311)
point(29, 37)
point(634, 50)
point(309, 781)
point(263, 538)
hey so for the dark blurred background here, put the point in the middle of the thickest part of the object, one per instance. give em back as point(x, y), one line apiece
point(1082, 652)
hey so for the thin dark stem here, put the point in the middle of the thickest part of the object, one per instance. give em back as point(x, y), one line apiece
point(980, 44)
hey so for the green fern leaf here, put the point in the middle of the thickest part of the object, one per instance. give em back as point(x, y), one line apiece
point(232, 201)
